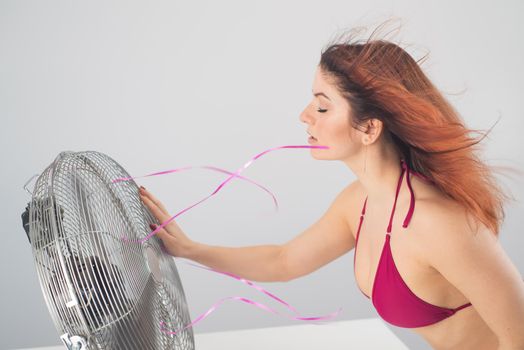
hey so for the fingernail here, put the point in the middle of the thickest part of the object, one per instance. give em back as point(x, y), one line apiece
point(153, 226)
point(142, 187)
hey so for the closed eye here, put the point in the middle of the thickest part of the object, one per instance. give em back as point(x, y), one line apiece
point(320, 110)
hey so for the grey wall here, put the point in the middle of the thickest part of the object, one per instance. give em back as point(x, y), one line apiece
point(163, 84)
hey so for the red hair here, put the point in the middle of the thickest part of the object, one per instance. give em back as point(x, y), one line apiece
point(381, 80)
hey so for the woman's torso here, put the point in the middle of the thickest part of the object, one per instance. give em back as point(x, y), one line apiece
point(463, 330)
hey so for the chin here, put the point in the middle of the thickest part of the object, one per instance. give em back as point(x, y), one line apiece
point(321, 154)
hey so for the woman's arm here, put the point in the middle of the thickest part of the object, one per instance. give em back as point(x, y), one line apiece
point(262, 263)
point(322, 242)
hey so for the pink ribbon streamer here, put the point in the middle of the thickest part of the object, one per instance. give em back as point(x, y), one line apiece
point(248, 301)
point(249, 283)
point(120, 179)
point(260, 305)
point(245, 166)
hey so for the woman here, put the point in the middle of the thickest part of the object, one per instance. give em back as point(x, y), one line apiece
point(436, 267)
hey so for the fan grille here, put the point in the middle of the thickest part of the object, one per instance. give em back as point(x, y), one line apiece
point(96, 284)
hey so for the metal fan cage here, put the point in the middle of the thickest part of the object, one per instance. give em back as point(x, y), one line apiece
point(103, 292)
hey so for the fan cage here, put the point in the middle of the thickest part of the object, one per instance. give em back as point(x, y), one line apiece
point(97, 285)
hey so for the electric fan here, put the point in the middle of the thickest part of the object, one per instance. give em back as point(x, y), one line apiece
point(102, 291)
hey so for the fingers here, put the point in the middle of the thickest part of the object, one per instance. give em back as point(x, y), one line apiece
point(162, 233)
point(160, 214)
point(155, 210)
point(153, 199)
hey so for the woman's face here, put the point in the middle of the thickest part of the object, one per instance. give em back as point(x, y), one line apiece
point(327, 118)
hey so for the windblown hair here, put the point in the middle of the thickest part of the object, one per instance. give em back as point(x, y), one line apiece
point(381, 80)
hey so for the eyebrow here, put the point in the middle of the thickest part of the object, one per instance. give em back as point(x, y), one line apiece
point(321, 94)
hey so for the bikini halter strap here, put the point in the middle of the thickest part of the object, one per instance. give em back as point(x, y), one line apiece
point(405, 168)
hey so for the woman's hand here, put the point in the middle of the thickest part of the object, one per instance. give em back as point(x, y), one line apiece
point(175, 241)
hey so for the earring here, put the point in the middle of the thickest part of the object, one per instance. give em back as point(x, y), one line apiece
point(365, 156)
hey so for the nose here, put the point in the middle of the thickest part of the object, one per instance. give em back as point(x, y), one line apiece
point(305, 117)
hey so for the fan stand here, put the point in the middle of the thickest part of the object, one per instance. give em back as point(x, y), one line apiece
point(74, 343)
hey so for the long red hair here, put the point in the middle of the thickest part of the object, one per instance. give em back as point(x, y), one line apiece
point(381, 80)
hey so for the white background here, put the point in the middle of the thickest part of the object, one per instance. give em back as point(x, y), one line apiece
point(164, 84)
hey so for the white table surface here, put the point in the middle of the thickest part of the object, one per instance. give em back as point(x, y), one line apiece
point(369, 333)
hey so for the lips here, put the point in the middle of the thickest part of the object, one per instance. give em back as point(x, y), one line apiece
point(311, 140)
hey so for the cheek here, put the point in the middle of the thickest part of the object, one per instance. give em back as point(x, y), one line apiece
point(339, 134)
point(340, 139)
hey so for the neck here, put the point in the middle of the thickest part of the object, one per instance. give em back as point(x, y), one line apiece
point(382, 173)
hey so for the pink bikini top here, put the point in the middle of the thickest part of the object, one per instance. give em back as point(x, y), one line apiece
point(392, 298)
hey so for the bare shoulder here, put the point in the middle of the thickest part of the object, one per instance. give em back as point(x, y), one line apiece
point(443, 223)
point(346, 197)
point(351, 190)
point(350, 201)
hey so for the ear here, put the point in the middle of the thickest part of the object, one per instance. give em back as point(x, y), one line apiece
point(373, 131)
